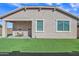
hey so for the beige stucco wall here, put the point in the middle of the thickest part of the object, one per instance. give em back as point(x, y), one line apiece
point(21, 25)
point(50, 26)
point(49, 18)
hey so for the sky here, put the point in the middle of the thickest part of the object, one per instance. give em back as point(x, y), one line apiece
point(7, 7)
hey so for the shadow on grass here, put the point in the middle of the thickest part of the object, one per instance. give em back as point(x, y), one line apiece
point(18, 53)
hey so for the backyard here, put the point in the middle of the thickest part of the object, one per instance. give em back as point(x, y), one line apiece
point(38, 45)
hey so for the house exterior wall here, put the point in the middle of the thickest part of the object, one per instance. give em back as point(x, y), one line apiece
point(49, 17)
point(78, 32)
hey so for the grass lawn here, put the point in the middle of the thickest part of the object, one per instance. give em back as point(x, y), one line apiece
point(34, 45)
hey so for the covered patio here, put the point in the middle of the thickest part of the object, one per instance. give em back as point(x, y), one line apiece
point(20, 28)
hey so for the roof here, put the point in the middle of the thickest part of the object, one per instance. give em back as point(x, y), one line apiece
point(39, 7)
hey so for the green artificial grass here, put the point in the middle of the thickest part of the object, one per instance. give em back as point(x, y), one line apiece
point(38, 45)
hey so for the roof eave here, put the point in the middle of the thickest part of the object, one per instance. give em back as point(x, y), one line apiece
point(56, 8)
point(68, 14)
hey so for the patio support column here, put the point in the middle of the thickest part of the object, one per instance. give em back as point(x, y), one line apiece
point(4, 29)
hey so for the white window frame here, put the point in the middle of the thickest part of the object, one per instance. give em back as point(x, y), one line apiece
point(63, 20)
point(36, 25)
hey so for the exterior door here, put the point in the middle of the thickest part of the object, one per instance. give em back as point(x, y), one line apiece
point(30, 29)
point(29, 32)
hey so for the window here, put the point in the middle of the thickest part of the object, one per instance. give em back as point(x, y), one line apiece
point(63, 26)
point(39, 26)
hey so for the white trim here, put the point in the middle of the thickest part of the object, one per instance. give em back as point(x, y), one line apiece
point(63, 20)
point(18, 19)
point(36, 25)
